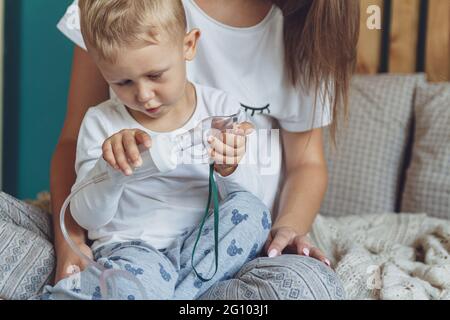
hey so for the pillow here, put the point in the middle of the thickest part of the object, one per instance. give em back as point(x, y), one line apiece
point(427, 186)
point(365, 168)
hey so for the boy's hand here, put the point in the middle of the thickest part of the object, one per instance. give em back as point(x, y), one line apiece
point(228, 149)
point(68, 262)
point(121, 150)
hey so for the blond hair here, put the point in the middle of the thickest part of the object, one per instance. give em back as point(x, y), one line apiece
point(108, 25)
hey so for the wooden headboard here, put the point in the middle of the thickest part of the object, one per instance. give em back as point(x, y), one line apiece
point(415, 37)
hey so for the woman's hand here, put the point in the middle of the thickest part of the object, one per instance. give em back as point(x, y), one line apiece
point(68, 262)
point(121, 150)
point(228, 148)
point(285, 238)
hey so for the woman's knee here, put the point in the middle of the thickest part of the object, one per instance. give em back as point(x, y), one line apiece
point(290, 277)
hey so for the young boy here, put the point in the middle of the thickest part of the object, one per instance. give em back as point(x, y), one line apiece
point(149, 227)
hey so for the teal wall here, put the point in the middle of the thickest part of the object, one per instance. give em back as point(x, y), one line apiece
point(37, 70)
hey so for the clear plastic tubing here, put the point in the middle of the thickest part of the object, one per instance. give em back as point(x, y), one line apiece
point(160, 158)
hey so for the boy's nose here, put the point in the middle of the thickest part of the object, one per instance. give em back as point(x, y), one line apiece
point(144, 94)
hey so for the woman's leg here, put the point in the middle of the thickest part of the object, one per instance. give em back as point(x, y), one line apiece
point(287, 277)
point(27, 258)
point(244, 224)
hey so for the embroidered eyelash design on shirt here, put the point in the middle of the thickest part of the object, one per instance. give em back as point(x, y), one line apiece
point(254, 110)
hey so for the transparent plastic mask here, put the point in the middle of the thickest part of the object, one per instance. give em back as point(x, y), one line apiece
point(211, 126)
point(165, 153)
point(153, 163)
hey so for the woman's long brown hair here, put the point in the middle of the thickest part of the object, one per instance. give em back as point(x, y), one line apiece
point(320, 47)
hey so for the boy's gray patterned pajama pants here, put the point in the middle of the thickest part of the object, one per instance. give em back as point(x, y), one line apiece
point(27, 261)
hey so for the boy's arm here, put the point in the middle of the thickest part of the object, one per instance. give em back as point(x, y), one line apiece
point(95, 204)
point(246, 177)
point(87, 88)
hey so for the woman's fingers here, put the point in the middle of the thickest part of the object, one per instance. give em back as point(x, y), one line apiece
point(268, 243)
point(285, 238)
point(318, 254)
point(304, 247)
point(281, 240)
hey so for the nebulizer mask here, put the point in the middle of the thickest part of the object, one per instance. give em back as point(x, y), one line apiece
point(162, 157)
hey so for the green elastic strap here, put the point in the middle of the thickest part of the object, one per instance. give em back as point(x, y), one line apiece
point(213, 193)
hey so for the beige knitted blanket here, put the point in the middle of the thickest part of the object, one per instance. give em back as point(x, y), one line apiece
point(388, 256)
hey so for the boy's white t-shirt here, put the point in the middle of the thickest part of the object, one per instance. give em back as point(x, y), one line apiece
point(249, 64)
point(155, 210)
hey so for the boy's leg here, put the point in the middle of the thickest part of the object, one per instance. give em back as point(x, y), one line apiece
point(244, 224)
point(27, 258)
point(151, 268)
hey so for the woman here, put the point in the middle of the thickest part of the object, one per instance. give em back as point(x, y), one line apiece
point(289, 62)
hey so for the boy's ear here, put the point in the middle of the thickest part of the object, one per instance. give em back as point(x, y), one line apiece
point(190, 44)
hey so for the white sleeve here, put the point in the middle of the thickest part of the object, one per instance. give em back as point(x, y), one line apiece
point(96, 204)
point(246, 177)
point(311, 112)
point(69, 25)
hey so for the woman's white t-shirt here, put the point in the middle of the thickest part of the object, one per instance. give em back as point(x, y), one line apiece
point(249, 64)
